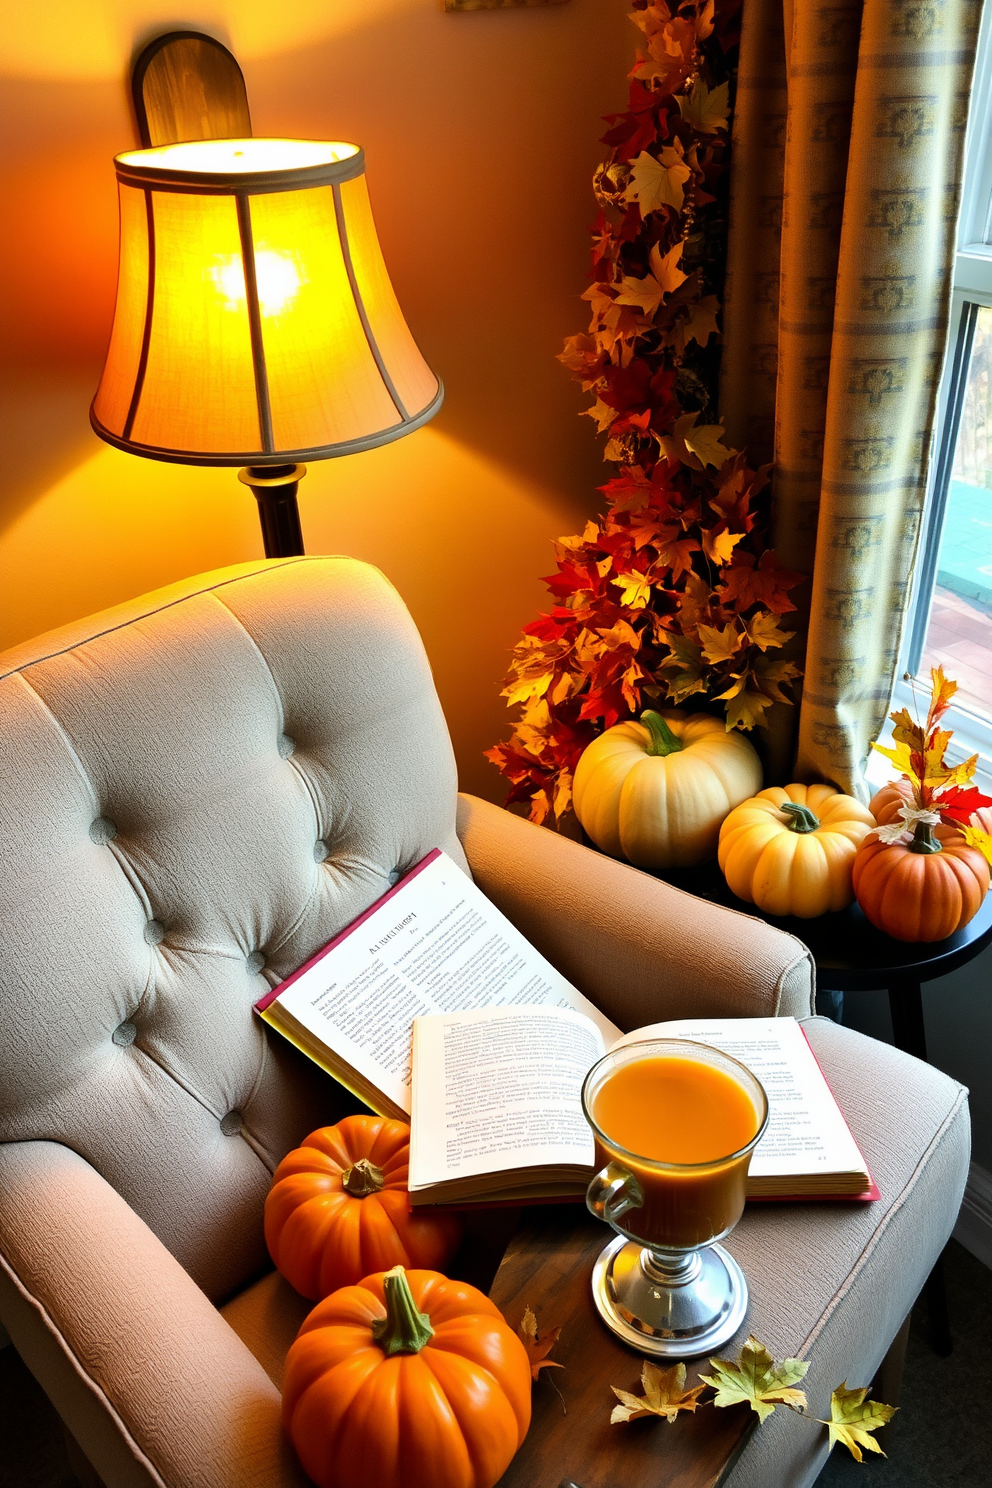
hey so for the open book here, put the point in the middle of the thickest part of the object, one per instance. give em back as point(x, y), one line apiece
point(497, 1116)
point(434, 987)
point(433, 944)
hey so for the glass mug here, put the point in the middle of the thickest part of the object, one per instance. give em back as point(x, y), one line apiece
point(665, 1285)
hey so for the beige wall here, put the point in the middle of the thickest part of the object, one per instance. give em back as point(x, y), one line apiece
point(480, 132)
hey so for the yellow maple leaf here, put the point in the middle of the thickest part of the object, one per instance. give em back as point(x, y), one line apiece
point(527, 687)
point(602, 413)
point(720, 644)
point(853, 1418)
point(665, 1395)
point(696, 446)
point(665, 267)
point(719, 546)
point(704, 441)
point(636, 589)
point(561, 803)
point(757, 1379)
point(899, 756)
point(764, 630)
point(704, 109)
point(746, 709)
point(647, 294)
point(975, 837)
point(656, 183)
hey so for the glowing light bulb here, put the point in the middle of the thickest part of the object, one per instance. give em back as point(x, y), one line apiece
point(276, 274)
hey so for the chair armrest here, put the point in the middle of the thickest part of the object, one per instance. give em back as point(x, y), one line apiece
point(638, 948)
point(151, 1381)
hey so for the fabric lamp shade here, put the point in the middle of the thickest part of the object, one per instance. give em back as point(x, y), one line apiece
point(255, 320)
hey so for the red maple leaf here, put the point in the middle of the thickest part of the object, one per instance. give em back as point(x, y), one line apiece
point(958, 802)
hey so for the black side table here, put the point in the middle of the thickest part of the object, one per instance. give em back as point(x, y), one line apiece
point(852, 956)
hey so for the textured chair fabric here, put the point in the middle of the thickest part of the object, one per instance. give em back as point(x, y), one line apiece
point(197, 790)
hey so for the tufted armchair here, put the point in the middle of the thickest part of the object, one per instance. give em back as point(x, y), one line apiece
point(199, 789)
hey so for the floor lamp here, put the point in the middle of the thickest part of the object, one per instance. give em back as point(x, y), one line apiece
point(255, 322)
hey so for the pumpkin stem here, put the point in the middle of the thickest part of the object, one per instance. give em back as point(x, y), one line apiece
point(801, 819)
point(662, 741)
point(363, 1178)
point(403, 1330)
point(923, 839)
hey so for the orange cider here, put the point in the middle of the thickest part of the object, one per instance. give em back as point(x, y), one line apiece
point(676, 1124)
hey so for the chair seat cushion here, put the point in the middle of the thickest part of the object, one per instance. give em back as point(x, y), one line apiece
point(828, 1281)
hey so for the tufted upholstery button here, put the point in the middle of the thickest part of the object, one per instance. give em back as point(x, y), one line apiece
point(102, 831)
point(154, 932)
point(320, 850)
point(255, 961)
point(395, 876)
point(232, 1123)
point(124, 1035)
point(285, 745)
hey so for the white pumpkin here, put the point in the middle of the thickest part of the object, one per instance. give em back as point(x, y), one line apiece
point(656, 792)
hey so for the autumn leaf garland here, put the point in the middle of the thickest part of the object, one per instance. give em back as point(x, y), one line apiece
point(672, 593)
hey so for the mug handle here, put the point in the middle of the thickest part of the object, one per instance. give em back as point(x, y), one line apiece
point(612, 1192)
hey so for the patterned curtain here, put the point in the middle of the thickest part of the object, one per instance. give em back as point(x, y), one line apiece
point(848, 141)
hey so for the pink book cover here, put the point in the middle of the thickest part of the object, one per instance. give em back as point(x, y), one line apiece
point(269, 998)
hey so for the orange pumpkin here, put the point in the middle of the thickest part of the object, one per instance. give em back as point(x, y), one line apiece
point(338, 1208)
point(408, 1380)
point(885, 803)
point(923, 890)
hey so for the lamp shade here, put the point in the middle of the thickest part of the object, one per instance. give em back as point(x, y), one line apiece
point(255, 320)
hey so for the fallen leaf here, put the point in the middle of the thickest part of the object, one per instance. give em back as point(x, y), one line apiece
point(704, 109)
point(853, 1417)
point(538, 1347)
point(665, 1395)
point(756, 1378)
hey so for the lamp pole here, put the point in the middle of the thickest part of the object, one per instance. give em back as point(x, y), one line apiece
point(274, 488)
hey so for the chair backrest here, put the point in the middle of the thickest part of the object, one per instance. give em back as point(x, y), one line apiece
point(197, 791)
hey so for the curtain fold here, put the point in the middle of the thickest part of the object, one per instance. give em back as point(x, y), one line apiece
point(848, 143)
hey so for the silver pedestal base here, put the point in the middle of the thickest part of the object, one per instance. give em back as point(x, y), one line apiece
point(692, 1308)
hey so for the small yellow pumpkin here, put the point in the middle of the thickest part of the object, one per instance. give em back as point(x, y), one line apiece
point(791, 851)
point(655, 792)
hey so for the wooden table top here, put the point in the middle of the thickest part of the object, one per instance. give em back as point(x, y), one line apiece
point(547, 1267)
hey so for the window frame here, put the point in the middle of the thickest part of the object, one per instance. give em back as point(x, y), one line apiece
point(971, 290)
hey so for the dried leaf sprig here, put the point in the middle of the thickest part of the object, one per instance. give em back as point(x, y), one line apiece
point(537, 1347)
point(672, 593)
point(755, 1379)
point(938, 791)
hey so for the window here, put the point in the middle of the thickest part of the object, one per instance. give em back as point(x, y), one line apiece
point(951, 610)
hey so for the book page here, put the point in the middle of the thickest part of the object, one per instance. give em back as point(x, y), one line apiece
point(806, 1132)
point(500, 1089)
point(433, 944)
